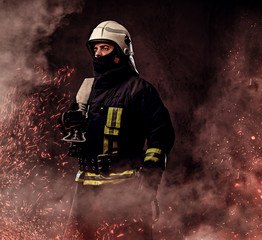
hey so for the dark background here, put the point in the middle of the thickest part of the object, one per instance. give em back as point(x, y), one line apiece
point(204, 58)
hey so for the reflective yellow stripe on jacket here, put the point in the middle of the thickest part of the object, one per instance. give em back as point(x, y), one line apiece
point(111, 130)
point(98, 179)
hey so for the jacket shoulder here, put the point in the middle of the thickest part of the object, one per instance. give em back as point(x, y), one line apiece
point(137, 84)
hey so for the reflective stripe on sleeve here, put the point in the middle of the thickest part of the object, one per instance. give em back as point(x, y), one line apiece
point(153, 154)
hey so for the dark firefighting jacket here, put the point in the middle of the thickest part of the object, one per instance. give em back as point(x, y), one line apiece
point(127, 128)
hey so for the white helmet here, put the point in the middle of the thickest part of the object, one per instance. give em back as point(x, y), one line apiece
point(111, 31)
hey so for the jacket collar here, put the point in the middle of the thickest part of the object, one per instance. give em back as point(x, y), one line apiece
point(112, 77)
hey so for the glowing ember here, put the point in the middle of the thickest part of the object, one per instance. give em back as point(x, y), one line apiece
point(128, 230)
point(31, 166)
point(236, 185)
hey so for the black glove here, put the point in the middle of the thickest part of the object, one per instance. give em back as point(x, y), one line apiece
point(150, 179)
point(73, 119)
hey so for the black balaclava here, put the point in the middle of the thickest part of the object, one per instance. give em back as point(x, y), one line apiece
point(108, 62)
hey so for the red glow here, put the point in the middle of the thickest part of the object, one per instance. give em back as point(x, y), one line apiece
point(120, 235)
point(27, 158)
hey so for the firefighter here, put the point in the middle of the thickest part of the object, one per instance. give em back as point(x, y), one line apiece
point(121, 134)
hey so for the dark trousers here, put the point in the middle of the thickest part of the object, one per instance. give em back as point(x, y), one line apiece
point(114, 211)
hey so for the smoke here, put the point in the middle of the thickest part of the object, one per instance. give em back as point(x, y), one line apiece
point(23, 25)
point(222, 199)
point(229, 142)
point(30, 99)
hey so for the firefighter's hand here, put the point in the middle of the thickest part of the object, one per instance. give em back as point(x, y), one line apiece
point(150, 179)
point(73, 119)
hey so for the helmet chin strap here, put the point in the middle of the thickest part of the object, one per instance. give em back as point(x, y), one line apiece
point(131, 57)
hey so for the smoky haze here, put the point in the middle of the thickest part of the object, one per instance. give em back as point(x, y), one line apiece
point(27, 91)
point(203, 57)
point(217, 190)
point(23, 24)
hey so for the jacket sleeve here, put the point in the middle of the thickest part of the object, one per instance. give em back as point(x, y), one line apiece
point(160, 136)
point(158, 128)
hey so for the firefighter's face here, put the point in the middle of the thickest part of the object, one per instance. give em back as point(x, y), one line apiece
point(102, 49)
